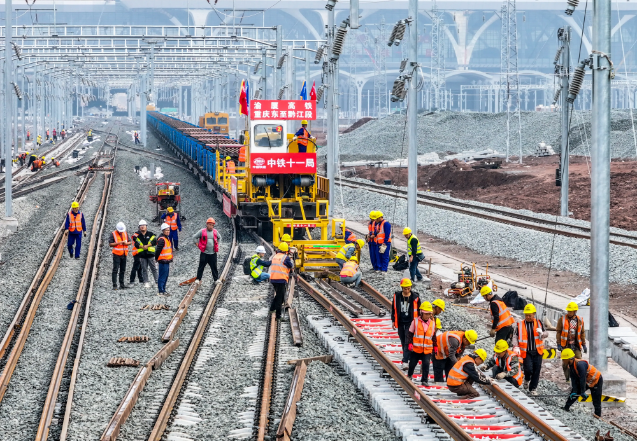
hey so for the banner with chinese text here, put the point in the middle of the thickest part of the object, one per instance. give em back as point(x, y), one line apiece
point(282, 163)
point(282, 109)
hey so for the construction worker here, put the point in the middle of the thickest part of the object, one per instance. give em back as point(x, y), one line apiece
point(47, 134)
point(501, 319)
point(570, 333)
point(173, 220)
point(63, 134)
point(231, 167)
point(371, 240)
point(257, 265)
point(207, 240)
point(37, 165)
point(55, 135)
point(163, 257)
point(136, 270)
point(529, 336)
point(145, 244)
point(350, 237)
point(43, 159)
point(583, 376)
point(449, 346)
point(347, 251)
point(464, 373)
point(89, 136)
point(136, 135)
point(32, 159)
point(39, 140)
point(351, 273)
point(302, 136)
point(439, 308)
point(54, 162)
point(119, 242)
point(383, 240)
point(505, 364)
point(279, 276)
point(22, 158)
point(28, 135)
point(75, 225)
point(414, 251)
point(404, 311)
point(421, 336)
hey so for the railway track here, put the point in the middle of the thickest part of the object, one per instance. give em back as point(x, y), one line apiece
point(493, 214)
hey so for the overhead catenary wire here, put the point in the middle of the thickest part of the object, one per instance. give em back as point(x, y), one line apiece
point(630, 108)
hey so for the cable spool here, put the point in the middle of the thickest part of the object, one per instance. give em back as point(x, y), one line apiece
point(572, 4)
point(319, 54)
point(576, 83)
point(339, 40)
point(557, 95)
point(557, 54)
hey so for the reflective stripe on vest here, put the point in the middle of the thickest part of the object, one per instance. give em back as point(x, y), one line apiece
point(423, 340)
point(418, 249)
point(278, 270)
point(342, 253)
point(166, 251)
point(371, 226)
point(349, 269)
point(506, 319)
point(302, 140)
point(523, 338)
point(135, 250)
point(242, 154)
point(415, 306)
point(443, 343)
point(380, 235)
point(172, 221)
point(507, 366)
point(120, 250)
point(75, 221)
point(255, 269)
point(592, 374)
point(565, 329)
point(457, 376)
point(140, 245)
point(351, 238)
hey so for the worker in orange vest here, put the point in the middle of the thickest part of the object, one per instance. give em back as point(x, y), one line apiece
point(383, 240)
point(119, 242)
point(280, 267)
point(570, 333)
point(302, 136)
point(231, 167)
point(501, 319)
point(529, 338)
point(404, 310)
point(421, 338)
point(449, 346)
point(350, 273)
point(583, 376)
point(75, 225)
point(505, 364)
point(174, 222)
point(37, 165)
point(464, 373)
point(164, 257)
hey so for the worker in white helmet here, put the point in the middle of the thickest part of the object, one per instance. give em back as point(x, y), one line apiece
point(258, 265)
point(119, 243)
point(163, 256)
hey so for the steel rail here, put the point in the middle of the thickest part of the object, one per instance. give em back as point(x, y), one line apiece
point(268, 383)
point(493, 214)
point(369, 289)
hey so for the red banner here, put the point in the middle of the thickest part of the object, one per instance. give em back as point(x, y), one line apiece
point(282, 109)
point(228, 208)
point(282, 163)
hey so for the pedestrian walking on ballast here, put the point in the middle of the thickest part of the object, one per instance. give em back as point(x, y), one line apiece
point(144, 243)
point(163, 257)
point(414, 251)
point(279, 277)
point(119, 243)
point(174, 222)
point(207, 239)
point(76, 226)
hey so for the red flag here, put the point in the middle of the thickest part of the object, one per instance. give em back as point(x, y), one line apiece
point(313, 92)
point(243, 100)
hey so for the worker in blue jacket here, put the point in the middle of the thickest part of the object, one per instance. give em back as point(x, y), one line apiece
point(172, 219)
point(371, 240)
point(76, 226)
point(383, 241)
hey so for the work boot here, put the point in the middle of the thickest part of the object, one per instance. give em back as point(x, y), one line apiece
point(425, 383)
point(146, 285)
point(405, 366)
point(526, 384)
point(114, 287)
point(123, 287)
point(534, 393)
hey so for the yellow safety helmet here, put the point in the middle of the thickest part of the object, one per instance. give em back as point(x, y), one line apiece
point(353, 258)
point(426, 306)
point(75, 205)
point(304, 122)
point(501, 346)
point(529, 309)
point(52, 158)
point(406, 231)
point(567, 354)
point(26, 153)
point(379, 214)
point(373, 214)
point(471, 336)
point(405, 282)
point(482, 354)
point(439, 303)
point(43, 158)
point(572, 306)
point(284, 247)
point(228, 158)
point(170, 209)
point(360, 242)
point(485, 291)
point(286, 238)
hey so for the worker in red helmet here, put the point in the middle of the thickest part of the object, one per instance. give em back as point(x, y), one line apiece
point(207, 239)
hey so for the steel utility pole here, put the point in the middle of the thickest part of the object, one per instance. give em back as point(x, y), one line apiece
point(330, 112)
point(564, 35)
point(412, 119)
point(600, 183)
point(8, 95)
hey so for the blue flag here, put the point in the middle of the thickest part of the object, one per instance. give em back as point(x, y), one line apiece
point(304, 92)
point(248, 95)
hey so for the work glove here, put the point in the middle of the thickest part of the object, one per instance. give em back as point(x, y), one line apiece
point(562, 347)
point(501, 375)
point(585, 349)
point(573, 396)
point(492, 332)
point(410, 347)
point(584, 397)
point(483, 368)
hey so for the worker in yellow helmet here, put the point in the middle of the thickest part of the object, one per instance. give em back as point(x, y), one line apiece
point(347, 251)
point(505, 364)
point(570, 333)
point(287, 239)
point(302, 136)
point(529, 336)
point(76, 226)
point(421, 338)
point(351, 273)
point(583, 376)
point(450, 346)
point(371, 239)
point(414, 251)
point(464, 374)
point(404, 310)
point(439, 308)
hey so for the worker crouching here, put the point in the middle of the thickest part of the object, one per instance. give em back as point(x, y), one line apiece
point(347, 251)
point(464, 373)
point(505, 364)
point(404, 311)
point(449, 346)
point(421, 341)
point(529, 338)
point(351, 273)
point(258, 265)
point(583, 376)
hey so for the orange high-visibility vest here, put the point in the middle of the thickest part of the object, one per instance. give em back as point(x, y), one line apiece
point(75, 221)
point(507, 365)
point(230, 167)
point(506, 319)
point(349, 269)
point(372, 231)
point(134, 238)
point(565, 330)
point(523, 338)
point(424, 341)
point(242, 154)
point(443, 343)
point(120, 250)
point(302, 140)
point(396, 310)
point(352, 236)
point(172, 221)
point(592, 374)
point(380, 235)
point(278, 270)
point(166, 251)
point(457, 376)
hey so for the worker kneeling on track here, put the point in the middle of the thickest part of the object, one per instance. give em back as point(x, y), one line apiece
point(404, 311)
point(529, 338)
point(421, 341)
point(351, 273)
point(505, 364)
point(583, 376)
point(464, 373)
point(449, 346)
point(501, 319)
point(257, 265)
point(347, 251)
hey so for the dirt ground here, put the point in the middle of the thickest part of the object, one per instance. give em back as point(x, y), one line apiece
point(530, 185)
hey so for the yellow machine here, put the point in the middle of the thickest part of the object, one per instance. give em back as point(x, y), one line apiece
point(218, 122)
